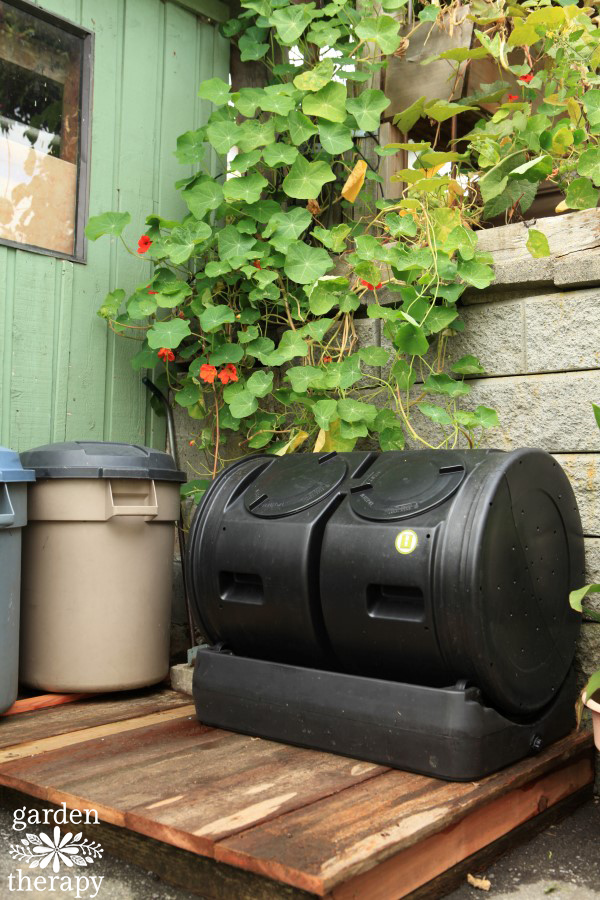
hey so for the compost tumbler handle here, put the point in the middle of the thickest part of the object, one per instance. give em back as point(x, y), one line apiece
point(149, 511)
point(6, 518)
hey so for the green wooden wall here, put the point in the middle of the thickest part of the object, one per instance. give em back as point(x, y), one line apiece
point(63, 376)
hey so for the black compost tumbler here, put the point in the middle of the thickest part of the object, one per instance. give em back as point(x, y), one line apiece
point(410, 609)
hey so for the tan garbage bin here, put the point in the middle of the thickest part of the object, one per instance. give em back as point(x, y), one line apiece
point(97, 567)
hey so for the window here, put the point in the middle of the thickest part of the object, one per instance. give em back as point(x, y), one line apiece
point(44, 119)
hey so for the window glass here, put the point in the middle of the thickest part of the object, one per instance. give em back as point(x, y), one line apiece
point(40, 123)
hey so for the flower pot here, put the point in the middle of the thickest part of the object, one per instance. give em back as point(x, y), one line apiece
point(593, 704)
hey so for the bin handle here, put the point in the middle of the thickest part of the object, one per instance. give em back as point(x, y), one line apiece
point(150, 511)
point(6, 519)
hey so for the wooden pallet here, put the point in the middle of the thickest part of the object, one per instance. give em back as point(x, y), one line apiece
point(228, 815)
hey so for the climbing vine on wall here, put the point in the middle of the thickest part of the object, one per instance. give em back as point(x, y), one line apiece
point(253, 303)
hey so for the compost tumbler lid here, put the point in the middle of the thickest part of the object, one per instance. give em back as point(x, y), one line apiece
point(101, 459)
point(399, 486)
point(11, 470)
point(295, 483)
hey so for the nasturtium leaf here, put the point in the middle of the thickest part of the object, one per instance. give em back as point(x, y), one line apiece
point(438, 318)
point(233, 245)
point(172, 293)
point(190, 146)
point(518, 190)
point(535, 169)
point(316, 78)
point(404, 374)
point(291, 345)
point(108, 223)
point(324, 411)
point(429, 13)
point(168, 334)
point(367, 108)
point(144, 359)
point(111, 305)
point(223, 135)
point(276, 101)
point(183, 240)
point(350, 410)
point(300, 127)
point(324, 33)
point(246, 187)
point(349, 430)
point(285, 227)
point(214, 268)
point(581, 194)
point(335, 138)
point(252, 134)
point(335, 238)
point(226, 353)
point(318, 329)
point(443, 384)
point(462, 239)
point(410, 339)
point(305, 179)
point(401, 226)
point(263, 210)
point(591, 104)
point(437, 414)
point(589, 164)
point(304, 264)
point(214, 317)
point(189, 394)
point(141, 304)
point(215, 90)
point(279, 154)
point(243, 404)
point(409, 116)
point(260, 383)
point(475, 273)
point(302, 377)
point(292, 21)
point(537, 243)
point(467, 365)
point(382, 30)
point(247, 100)
point(440, 110)
point(391, 439)
point(328, 103)
point(251, 49)
point(486, 417)
point(374, 356)
point(203, 196)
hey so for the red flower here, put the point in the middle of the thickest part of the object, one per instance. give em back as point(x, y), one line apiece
point(153, 292)
point(166, 354)
point(526, 78)
point(229, 373)
point(143, 243)
point(512, 98)
point(208, 373)
point(372, 287)
point(192, 443)
point(327, 359)
point(257, 264)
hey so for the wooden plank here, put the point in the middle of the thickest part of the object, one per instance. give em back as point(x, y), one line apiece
point(408, 870)
point(96, 732)
point(322, 846)
point(389, 165)
point(206, 784)
point(480, 861)
point(99, 711)
point(197, 874)
point(43, 701)
point(574, 241)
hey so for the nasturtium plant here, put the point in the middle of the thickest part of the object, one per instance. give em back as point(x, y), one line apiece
point(260, 297)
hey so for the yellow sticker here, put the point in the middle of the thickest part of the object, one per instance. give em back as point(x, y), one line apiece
point(406, 542)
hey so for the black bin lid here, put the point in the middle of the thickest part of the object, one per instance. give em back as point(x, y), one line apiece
point(295, 483)
point(101, 459)
point(399, 486)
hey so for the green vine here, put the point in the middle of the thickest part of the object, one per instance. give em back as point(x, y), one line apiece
point(256, 294)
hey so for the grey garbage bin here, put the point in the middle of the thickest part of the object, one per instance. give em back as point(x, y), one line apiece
point(13, 516)
point(97, 567)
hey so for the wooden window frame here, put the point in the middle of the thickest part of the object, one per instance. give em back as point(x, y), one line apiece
point(82, 190)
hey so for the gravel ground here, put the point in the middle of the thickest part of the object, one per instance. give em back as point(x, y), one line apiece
point(562, 862)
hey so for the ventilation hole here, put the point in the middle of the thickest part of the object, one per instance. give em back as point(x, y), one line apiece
point(361, 488)
point(257, 502)
point(427, 535)
point(327, 456)
point(445, 470)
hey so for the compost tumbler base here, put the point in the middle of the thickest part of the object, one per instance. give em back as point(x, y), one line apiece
point(442, 732)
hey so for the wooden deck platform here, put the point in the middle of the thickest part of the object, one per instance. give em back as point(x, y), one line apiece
point(234, 817)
